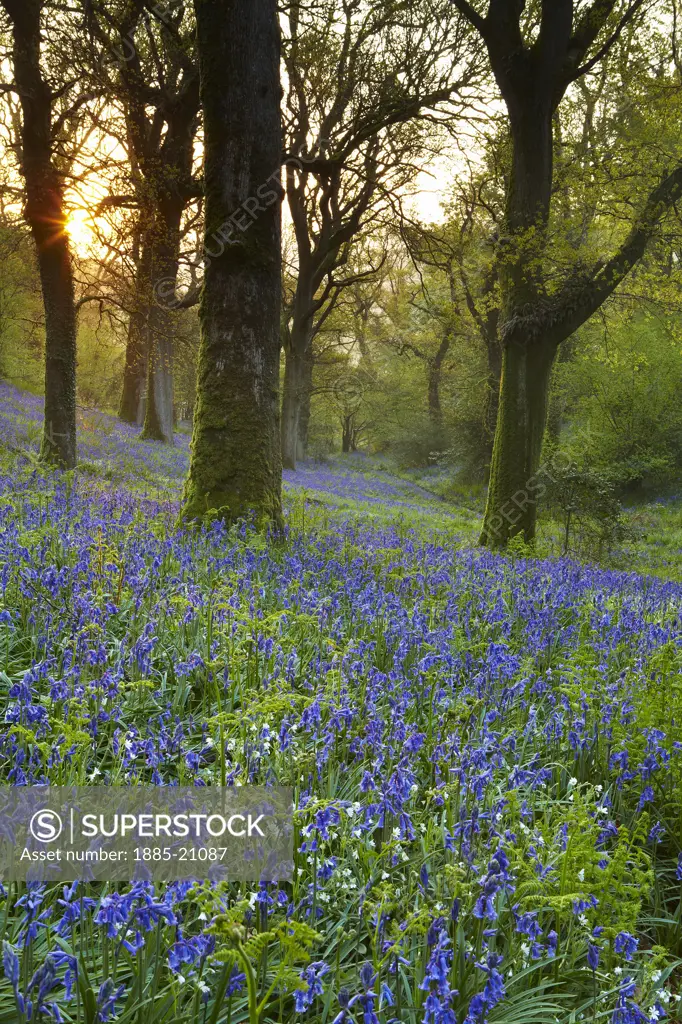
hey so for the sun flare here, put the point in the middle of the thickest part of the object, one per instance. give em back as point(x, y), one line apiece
point(79, 229)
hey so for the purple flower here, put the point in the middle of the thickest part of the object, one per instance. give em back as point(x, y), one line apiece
point(626, 944)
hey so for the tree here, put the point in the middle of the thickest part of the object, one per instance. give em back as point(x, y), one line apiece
point(447, 250)
point(535, 54)
point(157, 83)
point(437, 309)
point(235, 465)
point(364, 81)
point(46, 113)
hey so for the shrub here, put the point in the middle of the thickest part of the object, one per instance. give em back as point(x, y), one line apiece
point(584, 501)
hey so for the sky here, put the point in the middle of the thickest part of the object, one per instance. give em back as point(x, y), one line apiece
point(432, 187)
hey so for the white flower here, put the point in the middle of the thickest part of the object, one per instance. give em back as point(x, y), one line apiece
point(572, 782)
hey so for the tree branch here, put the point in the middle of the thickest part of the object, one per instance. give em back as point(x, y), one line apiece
point(465, 8)
point(609, 44)
point(584, 294)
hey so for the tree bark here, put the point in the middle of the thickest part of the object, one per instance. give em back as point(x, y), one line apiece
point(306, 398)
point(292, 403)
point(528, 87)
point(492, 397)
point(348, 434)
point(435, 373)
point(132, 406)
point(513, 488)
point(44, 212)
point(159, 419)
point(298, 367)
point(235, 467)
point(526, 359)
point(56, 276)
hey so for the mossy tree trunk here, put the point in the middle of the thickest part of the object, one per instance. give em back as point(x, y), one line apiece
point(533, 74)
point(527, 353)
point(132, 405)
point(435, 374)
point(235, 466)
point(45, 213)
point(492, 396)
point(298, 367)
point(296, 402)
point(522, 413)
point(159, 419)
point(56, 277)
point(306, 399)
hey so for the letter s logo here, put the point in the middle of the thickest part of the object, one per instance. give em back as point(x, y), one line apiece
point(46, 826)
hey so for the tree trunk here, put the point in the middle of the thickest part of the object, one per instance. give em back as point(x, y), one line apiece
point(347, 434)
point(44, 212)
point(435, 411)
point(131, 409)
point(492, 397)
point(158, 415)
point(158, 419)
point(306, 397)
point(161, 126)
point(514, 478)
point(235, 467)
point(291, 407)
point(435, 370)
point(56, 277)
point(298, 373)
point(526, 358)
point(557, 410)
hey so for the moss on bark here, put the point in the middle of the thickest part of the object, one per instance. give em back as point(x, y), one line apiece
point(235, 465)
point(515, 485)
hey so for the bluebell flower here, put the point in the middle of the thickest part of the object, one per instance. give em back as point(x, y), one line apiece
point(107, 997)
point(626, 944)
